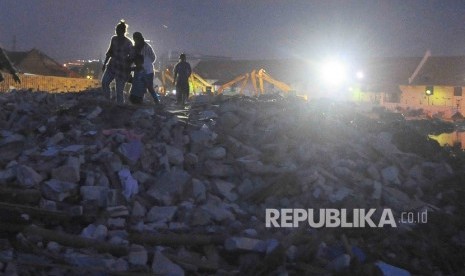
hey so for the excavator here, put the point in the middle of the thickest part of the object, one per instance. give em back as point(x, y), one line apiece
point(167, 81)
point(258, 78)
point(243, 79)
point(196, 82)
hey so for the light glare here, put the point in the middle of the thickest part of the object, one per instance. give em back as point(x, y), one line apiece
point(333, 72)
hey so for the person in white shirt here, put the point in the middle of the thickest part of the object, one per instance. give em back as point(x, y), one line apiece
point(143, 48)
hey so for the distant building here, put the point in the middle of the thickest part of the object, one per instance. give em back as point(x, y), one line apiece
point(39, 72)
point(89, 69)
point(38, 63)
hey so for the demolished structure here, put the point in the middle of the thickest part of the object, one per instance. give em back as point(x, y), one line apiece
point(92, 187)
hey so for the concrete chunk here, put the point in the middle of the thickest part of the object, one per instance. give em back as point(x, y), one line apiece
point(95, 193)
point(215, 168)
point(242, 243)
point(224, 188)
point(216, 153)
point(161, 265)
point(27, 177)
point(161, 213)
point(58, 190)
point(138, 255)
point(198, 190)
point(175, 155)
point(70, 172)
point(391, 175)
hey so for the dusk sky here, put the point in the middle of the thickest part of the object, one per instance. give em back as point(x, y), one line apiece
point(254, 29)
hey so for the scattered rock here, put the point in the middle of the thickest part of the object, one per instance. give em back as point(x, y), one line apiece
point(161, 213)
point(138, 255)
point(69, 172)
point(198, 181)
point(57, 190)
point(27, 177)
point(161, 265)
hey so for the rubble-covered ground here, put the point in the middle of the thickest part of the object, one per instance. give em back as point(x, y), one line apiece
point(87, 186)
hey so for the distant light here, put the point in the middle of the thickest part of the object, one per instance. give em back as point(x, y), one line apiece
point(360, 75)
point(89, 77)
point(333, 72)
point(429, 90)
point(174, 91)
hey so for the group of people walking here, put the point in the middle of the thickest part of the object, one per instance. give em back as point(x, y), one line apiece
point(124, 57)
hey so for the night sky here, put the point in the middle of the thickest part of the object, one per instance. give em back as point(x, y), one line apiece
point(254, 29)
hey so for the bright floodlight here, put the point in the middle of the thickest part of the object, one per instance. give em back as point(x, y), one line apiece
point(360, 75)
point(333, 72)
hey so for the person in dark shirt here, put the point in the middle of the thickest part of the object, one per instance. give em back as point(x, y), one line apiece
point(5, 64)
point(118, 59)
point(181, 73)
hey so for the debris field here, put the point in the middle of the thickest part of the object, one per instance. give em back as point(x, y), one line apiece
point(88, 186)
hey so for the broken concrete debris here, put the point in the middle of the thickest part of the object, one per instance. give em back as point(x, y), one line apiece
point(88, 187)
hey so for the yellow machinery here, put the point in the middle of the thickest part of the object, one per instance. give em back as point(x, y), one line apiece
point(167, 81)
point(263, 76)
point(258, 78)
point(243, 78)
point(195, 82)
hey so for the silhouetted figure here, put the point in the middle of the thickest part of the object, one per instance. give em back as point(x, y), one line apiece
point(182, 71)
point(5, 64)
point(146, 51)
point(140, 82)
point(118, 58)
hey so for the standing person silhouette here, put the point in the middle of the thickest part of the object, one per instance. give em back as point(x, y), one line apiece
point(118, 58)
point(139, 81)
point(146, 51)
point(182, 71)
point(5, 63)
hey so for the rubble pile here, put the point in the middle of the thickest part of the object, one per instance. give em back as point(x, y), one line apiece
point(87, 186)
